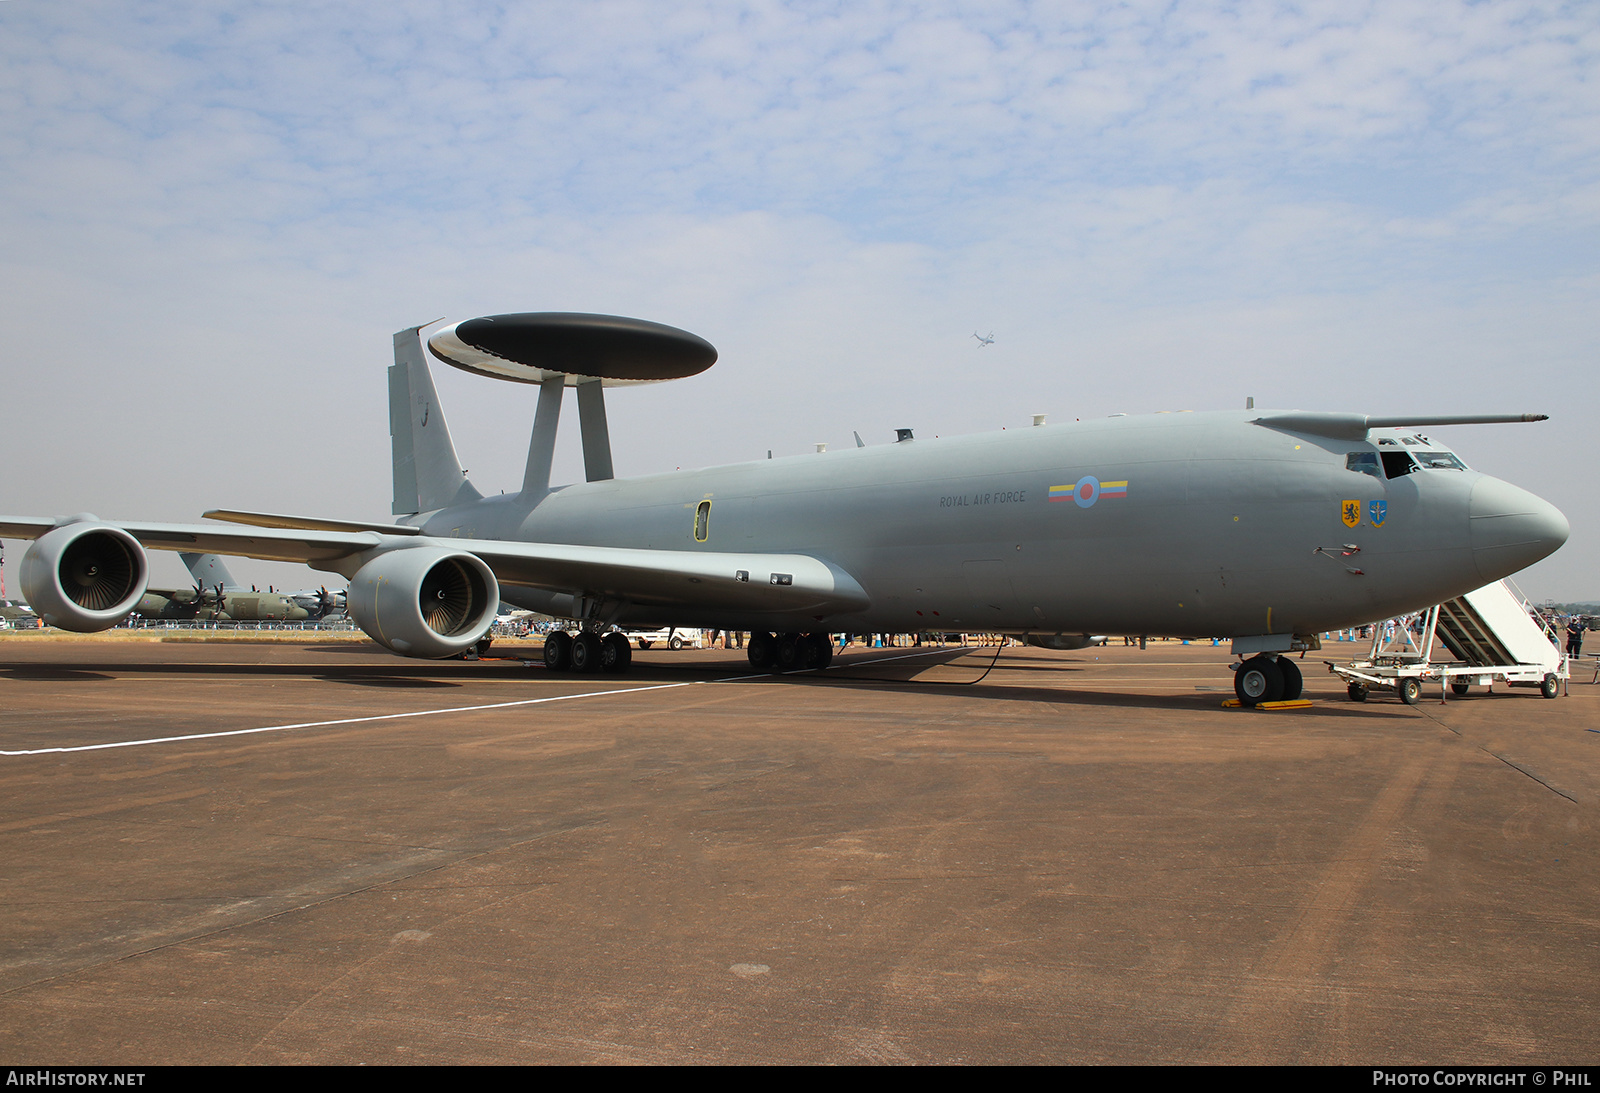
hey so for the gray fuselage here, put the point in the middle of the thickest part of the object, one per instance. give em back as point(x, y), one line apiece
point(1215, 531)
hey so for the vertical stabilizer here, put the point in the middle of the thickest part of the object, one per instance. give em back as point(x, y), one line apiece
point(208, 571)
point(427, 473)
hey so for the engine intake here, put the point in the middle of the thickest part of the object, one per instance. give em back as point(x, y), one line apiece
point(424, 601)
point(84, 576)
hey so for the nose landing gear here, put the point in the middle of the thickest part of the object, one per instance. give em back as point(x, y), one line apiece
point(1267, 679)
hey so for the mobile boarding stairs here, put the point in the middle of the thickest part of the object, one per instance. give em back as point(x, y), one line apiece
point(1493, 633)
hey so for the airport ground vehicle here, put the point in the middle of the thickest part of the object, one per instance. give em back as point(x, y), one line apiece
point(1492, 633)
point(671, 637)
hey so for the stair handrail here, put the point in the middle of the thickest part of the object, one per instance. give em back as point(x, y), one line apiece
point(1546, 625)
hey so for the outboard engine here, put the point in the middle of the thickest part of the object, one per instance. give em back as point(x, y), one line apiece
point(83, 575)
point(424, 601)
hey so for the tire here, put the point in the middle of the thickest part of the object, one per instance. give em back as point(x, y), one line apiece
point(815, 651)
point(1358, 692)
point(789, 653)
point(483, 645)
point(762, 651)
point(1410, 689)
point(624, 652)
point(675, 644)
point(558, 651)
point(1459, 689)
point(1551, 687)
point(643, 644)
point(615, 654)
point(1258, 680)
point(1293, 683)
point(586, 652)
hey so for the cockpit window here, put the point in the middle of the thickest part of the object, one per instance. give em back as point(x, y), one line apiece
point(1362, 463)
point(1440, 461)
point(1396, 464)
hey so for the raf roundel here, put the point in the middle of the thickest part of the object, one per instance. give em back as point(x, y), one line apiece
point(1087, 490)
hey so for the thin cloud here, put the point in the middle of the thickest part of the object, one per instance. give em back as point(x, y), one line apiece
point(213, 209)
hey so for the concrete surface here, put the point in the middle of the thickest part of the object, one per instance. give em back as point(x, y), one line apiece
point(1082, 858)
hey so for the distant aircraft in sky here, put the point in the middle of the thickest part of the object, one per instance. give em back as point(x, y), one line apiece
point(1266, 527)
point(983, 341)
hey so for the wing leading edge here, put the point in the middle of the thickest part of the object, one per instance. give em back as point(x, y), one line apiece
point(272, 545)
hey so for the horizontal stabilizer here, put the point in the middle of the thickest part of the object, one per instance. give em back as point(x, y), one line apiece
point(1355, 426)
point(1452, 419)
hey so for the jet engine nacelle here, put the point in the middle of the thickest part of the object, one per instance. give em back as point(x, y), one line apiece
point(424, 601)
point(83, 575)
point(1062, 642)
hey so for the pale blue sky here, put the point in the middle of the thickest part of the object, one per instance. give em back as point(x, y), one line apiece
point(214, 215)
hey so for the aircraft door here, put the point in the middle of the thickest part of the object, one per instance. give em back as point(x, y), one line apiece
point(727, 523)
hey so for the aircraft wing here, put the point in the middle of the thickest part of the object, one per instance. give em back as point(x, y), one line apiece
point(688, 578)
point(273, 545)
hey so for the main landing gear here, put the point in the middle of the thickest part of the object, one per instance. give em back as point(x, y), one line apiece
point(587, 652)
point(1265, 678)
point(789, 652)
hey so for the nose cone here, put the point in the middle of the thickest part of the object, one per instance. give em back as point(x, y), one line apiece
point(1511, 528)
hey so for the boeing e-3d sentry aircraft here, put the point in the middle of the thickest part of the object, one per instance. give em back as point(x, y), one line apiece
point(1266, 527)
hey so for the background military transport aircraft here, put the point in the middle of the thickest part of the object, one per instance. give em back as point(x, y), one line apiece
point(217, 596)
point(1266, 527)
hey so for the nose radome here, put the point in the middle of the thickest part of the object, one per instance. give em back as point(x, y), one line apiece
point(1512, 528)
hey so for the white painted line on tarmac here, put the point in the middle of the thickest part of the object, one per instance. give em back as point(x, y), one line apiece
point(350, 720)
point(408, 713)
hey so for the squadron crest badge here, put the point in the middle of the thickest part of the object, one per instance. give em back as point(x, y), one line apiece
point(1350, 512)
point(1380, 511)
